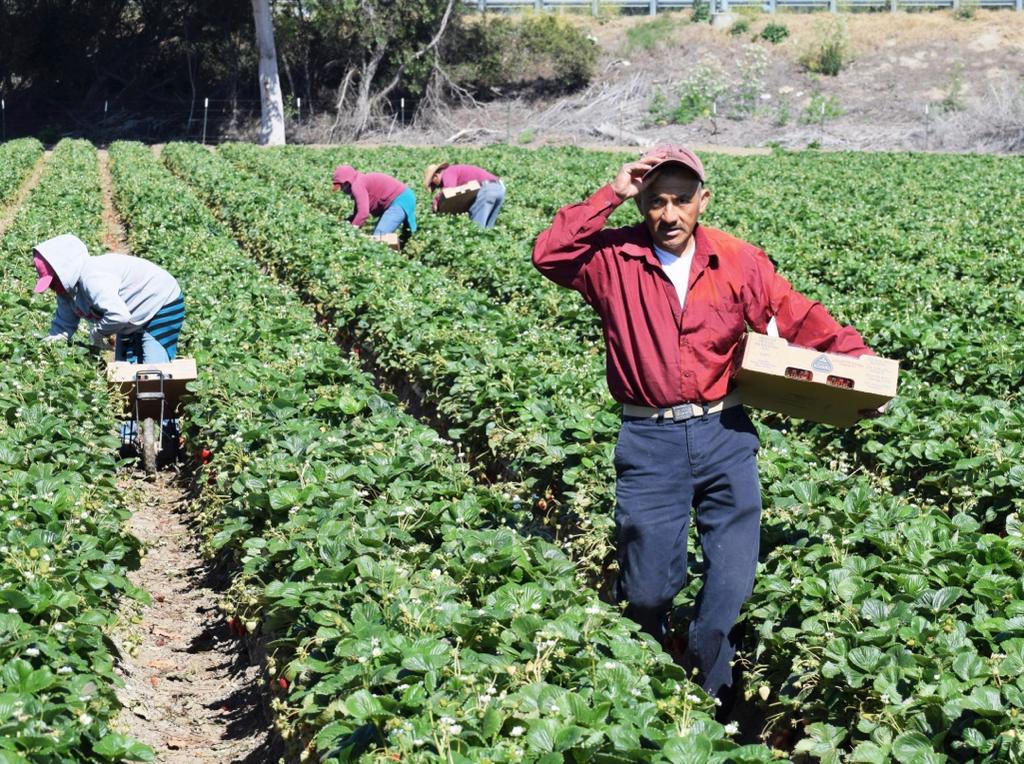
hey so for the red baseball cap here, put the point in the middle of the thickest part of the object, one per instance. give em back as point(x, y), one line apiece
point(669, 153)
point(46, 273)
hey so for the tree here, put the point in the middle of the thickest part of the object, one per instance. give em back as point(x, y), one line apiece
point(271, 104)
point(382, 45)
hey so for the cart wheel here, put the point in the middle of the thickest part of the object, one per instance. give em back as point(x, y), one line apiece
point(148, 436)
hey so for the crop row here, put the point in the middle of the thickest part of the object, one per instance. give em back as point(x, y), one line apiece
point(63, 548)
point(495, 262)
point(914, 284)
point(929, 280)
point(402, 611)
point(503, 384)
point(897, 568)
point(953, 441)
point(16, 159)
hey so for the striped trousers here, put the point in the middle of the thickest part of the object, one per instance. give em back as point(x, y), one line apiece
point(158, 340)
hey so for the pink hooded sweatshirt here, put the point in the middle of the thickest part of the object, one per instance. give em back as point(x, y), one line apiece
point(373, 192)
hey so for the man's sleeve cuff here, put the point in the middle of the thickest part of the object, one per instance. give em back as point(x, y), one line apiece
point(604, 198)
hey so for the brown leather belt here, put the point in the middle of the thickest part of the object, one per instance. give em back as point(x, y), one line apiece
point(683, 411)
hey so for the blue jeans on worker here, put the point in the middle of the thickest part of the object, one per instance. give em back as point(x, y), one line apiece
point(485, 208)
point(665, 468)
point(140, 347)
point(401, 211)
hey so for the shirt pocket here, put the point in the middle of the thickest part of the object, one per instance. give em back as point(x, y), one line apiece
point(726, 324)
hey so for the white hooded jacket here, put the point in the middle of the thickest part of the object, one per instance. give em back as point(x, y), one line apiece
point(118, 293)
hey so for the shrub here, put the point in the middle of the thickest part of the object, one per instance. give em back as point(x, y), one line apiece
point(572, 54)
point(827, 54)
point(658, 111)
point(540, 52)
point(701, 11)
point(953, 100)
point(774, 33)
point(649, 35)
point(965, 10)
point(740, 26)
point(821, 108)
point(781, 114)
point(749, 82)
point(699, 91)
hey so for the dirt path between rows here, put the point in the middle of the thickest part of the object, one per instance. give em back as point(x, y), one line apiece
point(8, 213)
point(115, 239)
point(190, 691)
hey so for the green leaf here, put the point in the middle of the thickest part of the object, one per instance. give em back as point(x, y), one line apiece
point(491, 724)
point(869, 753)
point(541, 736)
point(363, 706)
point(909, 747)
point(115, 746)
point(425, 656)
point(984, 700)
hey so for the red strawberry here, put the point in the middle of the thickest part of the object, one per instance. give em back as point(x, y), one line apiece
point(282, 683)
point(205, 455)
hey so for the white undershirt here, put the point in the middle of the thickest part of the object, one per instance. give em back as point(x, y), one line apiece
point(677, 268)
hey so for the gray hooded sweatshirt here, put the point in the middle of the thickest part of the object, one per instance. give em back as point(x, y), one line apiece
point(118, 293)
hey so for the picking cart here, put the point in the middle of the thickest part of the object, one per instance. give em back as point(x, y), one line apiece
point(153, 394)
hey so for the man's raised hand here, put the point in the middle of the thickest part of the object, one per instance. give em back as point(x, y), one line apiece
point(628, 183)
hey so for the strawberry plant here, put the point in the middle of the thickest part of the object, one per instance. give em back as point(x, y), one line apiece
point(63, 549)
point(16, 160)
point(943, 467)
point(404, 613)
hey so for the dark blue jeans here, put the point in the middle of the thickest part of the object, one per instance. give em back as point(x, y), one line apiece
point(664, 469)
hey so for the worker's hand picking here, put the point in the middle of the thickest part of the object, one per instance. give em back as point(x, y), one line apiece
point(98, 339)
point(873, 413)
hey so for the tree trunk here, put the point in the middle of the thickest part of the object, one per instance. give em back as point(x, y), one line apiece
point(364, 102)
point(271, 106)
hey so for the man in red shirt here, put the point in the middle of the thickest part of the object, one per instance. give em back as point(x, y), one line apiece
point(675, 298)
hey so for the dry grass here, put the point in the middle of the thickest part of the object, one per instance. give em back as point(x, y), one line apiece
point(869, 32)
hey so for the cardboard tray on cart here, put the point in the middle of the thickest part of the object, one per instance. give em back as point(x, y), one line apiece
point(822, 387)
point(177, 374)
point(457, 199)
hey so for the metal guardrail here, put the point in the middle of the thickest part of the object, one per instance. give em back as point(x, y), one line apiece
point(769, 6)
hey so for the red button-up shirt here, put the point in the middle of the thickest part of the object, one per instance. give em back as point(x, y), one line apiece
point(659, 354)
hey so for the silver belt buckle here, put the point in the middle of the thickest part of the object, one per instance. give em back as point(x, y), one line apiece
point(682, 412)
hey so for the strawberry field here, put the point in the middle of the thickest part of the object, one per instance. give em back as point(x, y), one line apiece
point(408, 472)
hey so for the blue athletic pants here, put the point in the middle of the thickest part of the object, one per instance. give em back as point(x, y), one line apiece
point(664, 470)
